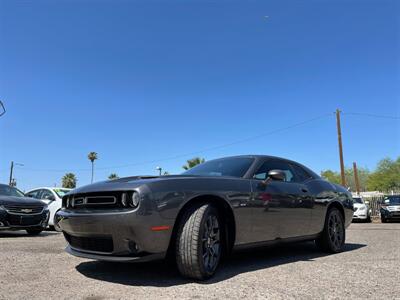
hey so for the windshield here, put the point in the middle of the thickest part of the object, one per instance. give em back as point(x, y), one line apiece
point(6, 190)
point(391, 200)
point(61, 192)
point(233, 166)
point(357, 200)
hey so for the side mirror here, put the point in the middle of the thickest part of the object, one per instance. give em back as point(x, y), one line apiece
point(278, 175)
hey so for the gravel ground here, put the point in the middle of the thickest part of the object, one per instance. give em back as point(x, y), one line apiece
point(38, 268)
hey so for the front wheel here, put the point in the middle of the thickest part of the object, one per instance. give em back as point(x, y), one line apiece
point(383, 220)
point(34, 231)
point(199, 242)
point(333, 236)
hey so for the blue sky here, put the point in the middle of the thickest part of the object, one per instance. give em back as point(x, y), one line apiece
point(141, 82)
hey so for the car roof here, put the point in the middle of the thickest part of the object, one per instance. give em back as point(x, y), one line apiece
point(263, 157)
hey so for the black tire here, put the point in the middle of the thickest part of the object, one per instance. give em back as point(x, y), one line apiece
point(34, 231)
point(199, 242)
point(368, 220)
point(383, 220)
point(333, 236)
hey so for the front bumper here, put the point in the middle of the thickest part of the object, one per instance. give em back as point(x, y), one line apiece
point(390, 214)
point(360, 215)
point(115, 235)
point(13, 221)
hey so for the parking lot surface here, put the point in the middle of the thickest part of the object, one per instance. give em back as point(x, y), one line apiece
point(38, 268)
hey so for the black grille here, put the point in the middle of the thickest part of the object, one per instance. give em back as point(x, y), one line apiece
point(101, 200)
point(20, 220)
point(98, 244)
point(93, 200)
point(24, 209)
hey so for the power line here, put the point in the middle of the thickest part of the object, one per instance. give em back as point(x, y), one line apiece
point(189, 153)
point(371, 115)
point(212, 148)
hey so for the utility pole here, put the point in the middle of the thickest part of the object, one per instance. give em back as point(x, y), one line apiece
point(339, 130)
point(12, 180)
point(356, 178)
point(11, 173)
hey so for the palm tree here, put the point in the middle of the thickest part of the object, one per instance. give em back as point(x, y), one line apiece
point(69, 181)
point(193, 162)
point(92, 156)
point(113, 176)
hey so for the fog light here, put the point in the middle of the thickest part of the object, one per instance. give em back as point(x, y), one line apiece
point(133, 247)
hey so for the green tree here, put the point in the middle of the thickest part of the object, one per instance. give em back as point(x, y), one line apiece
point(193, 162)
point(331, 176)
point(334, 177)
point(92, 156)
point(69, 181)
point(386, 177)
point(113, 176)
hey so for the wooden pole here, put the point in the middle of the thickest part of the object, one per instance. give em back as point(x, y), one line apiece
point(356, 178)
point(339, 130)
point(11, 173)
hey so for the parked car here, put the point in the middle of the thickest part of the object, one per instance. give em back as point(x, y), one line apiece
point(52, 196)
point(18, 212)
point(390, 208)
point(362, 211)
point(205, 213)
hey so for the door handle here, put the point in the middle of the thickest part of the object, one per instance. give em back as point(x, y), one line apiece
point(304, 190)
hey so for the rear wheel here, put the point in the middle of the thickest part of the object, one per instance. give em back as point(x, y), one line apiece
point(34, 231)
point(333, 236)
point(199, 242)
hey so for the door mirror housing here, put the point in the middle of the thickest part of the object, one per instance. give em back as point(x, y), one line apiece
point(278, 175)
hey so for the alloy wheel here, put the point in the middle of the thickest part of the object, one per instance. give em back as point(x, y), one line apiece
point(211, 243)
point(335, 230)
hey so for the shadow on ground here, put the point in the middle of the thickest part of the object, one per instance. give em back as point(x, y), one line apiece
point(163, 274)
point(22, 233)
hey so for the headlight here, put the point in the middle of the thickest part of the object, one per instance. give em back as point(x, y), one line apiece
point(124, 200)
point(2, 208)
point(134, 200)
point(362, 208)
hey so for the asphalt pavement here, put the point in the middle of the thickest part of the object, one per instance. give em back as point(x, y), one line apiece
point(38, 268)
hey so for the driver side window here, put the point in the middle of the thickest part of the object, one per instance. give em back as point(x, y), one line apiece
point(46, 194)
point(33, 194)
point(269, 165)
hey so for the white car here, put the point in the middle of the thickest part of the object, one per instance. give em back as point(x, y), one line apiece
point(52, 196)
point(361, 210)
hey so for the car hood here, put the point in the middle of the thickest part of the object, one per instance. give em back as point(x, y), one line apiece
point(11, 200)
point(126, 183)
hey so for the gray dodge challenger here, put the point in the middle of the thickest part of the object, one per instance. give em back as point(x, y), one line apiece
point(205, 213)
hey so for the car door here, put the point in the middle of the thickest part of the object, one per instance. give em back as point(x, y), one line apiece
point(281, 209)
